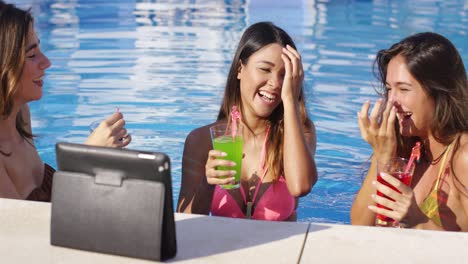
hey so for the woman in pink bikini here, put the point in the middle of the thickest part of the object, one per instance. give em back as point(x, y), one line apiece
point(23, 175)
point(265, 82)
point(425, 89)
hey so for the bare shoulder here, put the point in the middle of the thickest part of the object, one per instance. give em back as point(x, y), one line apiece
point(461, 154)
point(198, 142)
point(200, 133)
point(198, 137)
point(460, 161)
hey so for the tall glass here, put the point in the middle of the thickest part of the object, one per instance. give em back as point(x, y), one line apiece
point(231, 142)
point(395, 167)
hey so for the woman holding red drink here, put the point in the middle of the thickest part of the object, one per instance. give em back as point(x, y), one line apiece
point(425, 94)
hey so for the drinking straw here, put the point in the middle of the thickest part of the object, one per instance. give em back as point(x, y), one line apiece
point(415, 153)
point(234, 116)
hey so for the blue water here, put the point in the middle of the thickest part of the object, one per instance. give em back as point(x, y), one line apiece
point(164, 64)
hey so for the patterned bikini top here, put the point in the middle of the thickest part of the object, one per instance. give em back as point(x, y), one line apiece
point(430, 205)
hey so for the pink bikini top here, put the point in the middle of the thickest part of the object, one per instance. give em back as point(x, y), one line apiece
point(276, 203)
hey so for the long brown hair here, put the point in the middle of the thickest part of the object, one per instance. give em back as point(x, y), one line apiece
point(14, 29)
point(254, 38)
point(436, 64)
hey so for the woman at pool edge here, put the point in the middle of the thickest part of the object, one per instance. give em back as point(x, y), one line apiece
point(22, 173)
point(425, 86)
point(265, 81)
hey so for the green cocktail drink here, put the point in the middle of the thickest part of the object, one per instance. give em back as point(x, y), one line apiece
point(233, 147)
point(228, 139)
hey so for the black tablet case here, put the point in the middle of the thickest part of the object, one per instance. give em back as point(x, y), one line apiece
point(113, 201)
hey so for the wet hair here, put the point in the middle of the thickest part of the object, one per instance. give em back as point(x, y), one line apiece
point(436, 64)
point(14, 28)
point(254, 38)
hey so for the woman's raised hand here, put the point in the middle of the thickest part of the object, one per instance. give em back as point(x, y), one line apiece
point(378, 128)
point(110, 133)
point(294, 74)
point(214, 176)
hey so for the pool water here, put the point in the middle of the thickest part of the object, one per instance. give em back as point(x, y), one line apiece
point(164, 64)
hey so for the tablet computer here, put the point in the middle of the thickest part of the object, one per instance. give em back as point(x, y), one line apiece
point(116, 201)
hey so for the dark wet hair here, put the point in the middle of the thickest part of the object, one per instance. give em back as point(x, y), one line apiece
point(256, 37)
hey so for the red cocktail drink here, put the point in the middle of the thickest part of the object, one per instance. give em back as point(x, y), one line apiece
point(405, 178)
point(395, 167)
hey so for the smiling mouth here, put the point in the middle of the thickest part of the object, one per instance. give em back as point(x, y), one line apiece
point(38, 81)
point(266, 96)
point(404, 115)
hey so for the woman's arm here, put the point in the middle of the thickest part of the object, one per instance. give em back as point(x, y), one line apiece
point(298, 153)
point(381, 136)
point(298, 147)
point(195, 193)
point(360, 213)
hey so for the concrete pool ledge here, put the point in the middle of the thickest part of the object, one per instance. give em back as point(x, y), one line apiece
point(328, 243)
point(25, 238)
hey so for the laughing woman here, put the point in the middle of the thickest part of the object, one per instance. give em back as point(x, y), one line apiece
point(425, 87)
point(22, 173)
point(265, 83)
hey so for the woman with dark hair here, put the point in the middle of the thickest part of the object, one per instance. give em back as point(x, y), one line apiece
point(22, 173)
point(265, 82)
point(425, 89)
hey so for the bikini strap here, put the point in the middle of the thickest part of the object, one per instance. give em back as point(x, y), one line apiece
point(442, 166)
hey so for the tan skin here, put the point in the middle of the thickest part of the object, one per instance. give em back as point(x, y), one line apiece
point(276, 71)
point(22, 170)
point(410, 105)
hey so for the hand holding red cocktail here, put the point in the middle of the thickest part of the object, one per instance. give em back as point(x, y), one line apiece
point(393, 181)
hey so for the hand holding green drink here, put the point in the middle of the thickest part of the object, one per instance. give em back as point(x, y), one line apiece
point(227, 138)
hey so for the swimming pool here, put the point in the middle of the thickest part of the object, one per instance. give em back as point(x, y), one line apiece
point(164, 63)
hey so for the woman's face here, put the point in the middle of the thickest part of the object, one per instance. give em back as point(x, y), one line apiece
point(35, 64)
point(415, 108)
point(261, 79)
